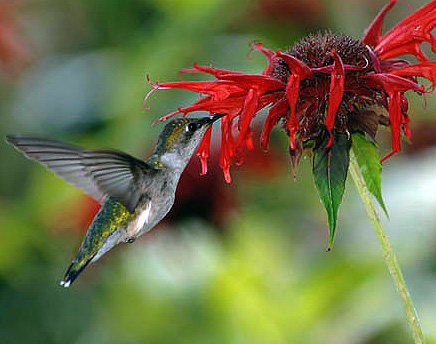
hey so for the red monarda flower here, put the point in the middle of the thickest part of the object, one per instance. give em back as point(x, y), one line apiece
point(326, 83)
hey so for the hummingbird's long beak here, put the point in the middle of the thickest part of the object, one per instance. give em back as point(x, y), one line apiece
point(216, 117)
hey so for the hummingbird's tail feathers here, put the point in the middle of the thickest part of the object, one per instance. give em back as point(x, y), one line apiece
point(73, 272)
point(95, 244)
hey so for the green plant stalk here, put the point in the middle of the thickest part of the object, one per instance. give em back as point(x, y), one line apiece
point(389, 255)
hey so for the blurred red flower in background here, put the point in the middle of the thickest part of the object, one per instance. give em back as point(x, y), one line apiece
point(324, 83)
point(424, 137)
point(14, 55)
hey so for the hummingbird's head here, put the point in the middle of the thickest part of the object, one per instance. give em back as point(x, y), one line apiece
point(179, 139)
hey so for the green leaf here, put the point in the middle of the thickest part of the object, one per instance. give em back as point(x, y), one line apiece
point(368, 160)
point(330, 167)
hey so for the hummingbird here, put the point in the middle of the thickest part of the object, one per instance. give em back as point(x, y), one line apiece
point(135, 194)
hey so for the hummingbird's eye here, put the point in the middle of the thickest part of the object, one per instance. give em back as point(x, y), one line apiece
point(191, 127)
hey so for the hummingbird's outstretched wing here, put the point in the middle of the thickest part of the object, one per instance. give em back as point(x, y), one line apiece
point(100, 173)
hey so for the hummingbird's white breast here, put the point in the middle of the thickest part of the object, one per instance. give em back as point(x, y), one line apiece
point(140, 222)
point(174, 161)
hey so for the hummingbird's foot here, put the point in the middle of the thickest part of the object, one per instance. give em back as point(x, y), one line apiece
point(130, 240)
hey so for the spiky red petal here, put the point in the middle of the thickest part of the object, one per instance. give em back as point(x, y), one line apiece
point(279, 109)
point(269, 54)
point(216, 72)
point(299, 71)
point(227, 147)
point(246, 116)
point(372, 34)
point(337, 80)
point(395, 86)
point(218, 89)
point(425, 69)
point(203, 150)
point(406, 37)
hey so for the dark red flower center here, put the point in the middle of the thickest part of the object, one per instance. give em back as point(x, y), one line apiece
point(315, 52)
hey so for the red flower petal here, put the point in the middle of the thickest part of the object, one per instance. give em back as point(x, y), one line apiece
point(216, 72)
point(296, 66)
point(299, 71)
point(204, 150)
point(292, 93)
point(270, 54)
point(372, 34)
point(219, 89)
point(278, 110)
point(261, 83)
point(405, 122)
point(395, 116)
point(395, 86)
point(250, 108)
point(227, 147)
point(226, 106)
point(336, 93)
point(406, 37)
point(267, 52)
point(425, 69)
point(164, 118)
point(393, 83)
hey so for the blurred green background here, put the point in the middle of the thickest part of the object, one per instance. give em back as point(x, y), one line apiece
point(238, 263)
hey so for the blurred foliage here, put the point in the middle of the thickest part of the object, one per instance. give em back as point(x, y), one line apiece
point(263, 276)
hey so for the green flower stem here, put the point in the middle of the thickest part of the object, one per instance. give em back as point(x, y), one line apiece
point(390, 258)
